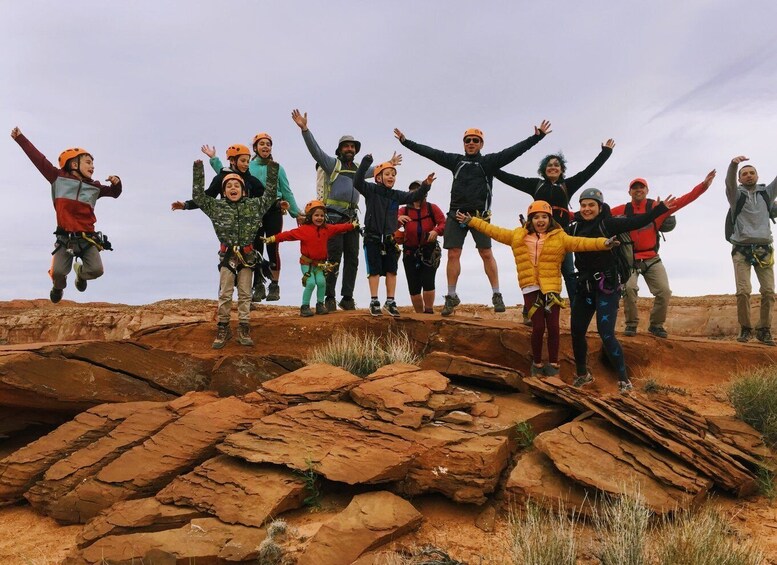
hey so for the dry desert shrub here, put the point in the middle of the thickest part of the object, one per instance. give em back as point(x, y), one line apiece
point(624, 524)
point(541, 537)
point(754, 396)
point(362, 354)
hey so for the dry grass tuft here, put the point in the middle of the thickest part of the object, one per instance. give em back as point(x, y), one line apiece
point(362, 354)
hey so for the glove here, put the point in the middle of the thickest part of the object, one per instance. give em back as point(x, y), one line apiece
point(270, 239)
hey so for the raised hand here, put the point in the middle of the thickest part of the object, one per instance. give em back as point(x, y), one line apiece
point(612, 242)
point(113, 179)
point(300, 119)
point(178, 205)
point(670, 202)
point(430, 178)
point(710, 177)
point(15, 132)
point(610, 143)
point(737, 160)
point(396, 159)
point(209, 151)
point(399, 135)
point(543, 128)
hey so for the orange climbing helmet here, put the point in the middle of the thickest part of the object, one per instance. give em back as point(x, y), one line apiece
point(539, 206)
point(312, 205)
point(236, 150)
point(71, 153)
point(474, 132)
point(233, 176)
point(383, 166)
point(262, 135)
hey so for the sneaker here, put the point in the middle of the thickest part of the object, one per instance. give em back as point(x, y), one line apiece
point(658, 331)
point(223, 335)
point(625, 387)
point(56, 295)
point(347, 303)
point(305, 311)
point(498, 302)
point(450, 305)
point(537, 371)
point(745, 335)
point(320, 308)
point(331, 304)
point(630, 331)
point(375, 308)
point(273, 291)
point(244, 335)
point(764, 335)
point(583, 380)
point(80, 283)
point(550, 371)
point(391, 308)
point(258, 293)
point(526, 319)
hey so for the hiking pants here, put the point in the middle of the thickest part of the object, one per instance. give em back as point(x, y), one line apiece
point(654, 273)
point(227, 283)
point(570, 277)
point(316, 281)
point(343, 246)
point(766, 281)
point(605, 306)
point(62, 263)
point(539, 320)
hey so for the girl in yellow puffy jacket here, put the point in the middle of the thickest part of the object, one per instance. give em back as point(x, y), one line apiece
point(539, 249)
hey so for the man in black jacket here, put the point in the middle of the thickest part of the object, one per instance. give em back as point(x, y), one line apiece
point(473, 175)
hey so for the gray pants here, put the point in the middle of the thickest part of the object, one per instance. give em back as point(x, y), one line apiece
point(343, 248)
point(742, 279)
point(62, 262)
point(227, 283)
point(654, 273)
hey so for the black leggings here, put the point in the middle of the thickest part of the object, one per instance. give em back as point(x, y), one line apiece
point(272, 224)
point(605, 306)
point(419, 276)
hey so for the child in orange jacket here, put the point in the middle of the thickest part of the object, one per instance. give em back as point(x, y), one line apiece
point(539, 249)
point(313, 236)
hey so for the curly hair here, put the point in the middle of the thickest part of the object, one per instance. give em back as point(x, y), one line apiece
point(544, 163)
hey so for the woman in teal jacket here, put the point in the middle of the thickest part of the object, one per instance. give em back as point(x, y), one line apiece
point(273, 176)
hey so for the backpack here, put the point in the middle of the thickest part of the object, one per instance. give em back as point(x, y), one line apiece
point(623, 253)
point(324, 183)
point(731, 219)
point(565, 211)
point(668, 224)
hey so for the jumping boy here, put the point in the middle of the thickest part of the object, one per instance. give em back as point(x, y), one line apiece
point(236, 218)
point(380, 222)
point(74, 194)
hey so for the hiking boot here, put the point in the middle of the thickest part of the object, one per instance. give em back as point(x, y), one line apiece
point(305, 311)
point(745, 335)
point(537, 371)
point(764, 335)
point(223, 335)
point(428, 311)
point(258, 294)
point(658, 331)
point(244, 335)
point(347, 303)
point(526, 319)
point(375, 308)
point(80, 283)
point(550, 371)
point(498, 302)
point(583, 380)
point(56, 295)
point(630, 331)
point(625, 387)
point(273, 291)
point(391, 308)
point(320, 308)
point(450, 305)
point(331, 304)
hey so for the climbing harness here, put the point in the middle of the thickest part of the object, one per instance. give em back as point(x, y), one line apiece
point(546, 301)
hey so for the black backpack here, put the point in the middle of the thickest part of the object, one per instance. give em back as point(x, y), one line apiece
point(732, 218)
point(623, 253)
point(667, 225)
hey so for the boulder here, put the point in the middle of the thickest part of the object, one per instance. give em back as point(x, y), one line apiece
point(312, 383)
point(237, 492)
point(369, 521)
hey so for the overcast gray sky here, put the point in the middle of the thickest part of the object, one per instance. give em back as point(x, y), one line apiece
point(681, 86)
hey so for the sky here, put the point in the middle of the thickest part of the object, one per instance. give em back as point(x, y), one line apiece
point(682, 87)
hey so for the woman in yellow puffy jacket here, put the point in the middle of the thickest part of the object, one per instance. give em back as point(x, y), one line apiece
point(539, 249)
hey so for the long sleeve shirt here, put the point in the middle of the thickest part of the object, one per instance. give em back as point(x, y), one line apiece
point(752, 226)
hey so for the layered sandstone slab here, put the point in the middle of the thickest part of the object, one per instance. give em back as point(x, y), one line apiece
point(313, 383)
point(460, 367)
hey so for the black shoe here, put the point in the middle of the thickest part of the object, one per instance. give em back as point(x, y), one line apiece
point(630, 331)
point(305, 311)
point(391, 308)
point(320, 308)
point(56, 295)
point(764, 335)
point(745, 335)
point(347, 303)
point(331, 304)
point(658, 331)
point(450, 305)
point(375, 308)
point(273, 292)
point(498, 302)
point(80, 283)
point(258, 293)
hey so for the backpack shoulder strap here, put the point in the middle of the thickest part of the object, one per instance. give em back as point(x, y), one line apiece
point(738, 207)
point(629, 210)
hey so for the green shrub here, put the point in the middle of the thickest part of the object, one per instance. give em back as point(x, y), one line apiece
point(362, 354)
point(754, 396)
point(524, 434)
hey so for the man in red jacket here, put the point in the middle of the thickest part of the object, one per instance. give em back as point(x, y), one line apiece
point(646, 259)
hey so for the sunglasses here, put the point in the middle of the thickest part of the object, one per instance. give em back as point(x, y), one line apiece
point(471, 140)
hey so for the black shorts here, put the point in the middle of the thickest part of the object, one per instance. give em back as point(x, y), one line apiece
point(381, 258)
point(455, 234)
point(419, 276)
